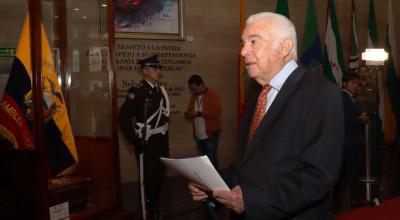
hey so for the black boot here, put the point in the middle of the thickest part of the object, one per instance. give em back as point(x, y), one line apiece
point(152, 201)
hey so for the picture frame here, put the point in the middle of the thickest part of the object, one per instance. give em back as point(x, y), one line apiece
point(149, 19)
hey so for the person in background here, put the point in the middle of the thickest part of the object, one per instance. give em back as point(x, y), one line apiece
point(355, 121)
point(148, 104)
point(367, 96)
point(205, 111)
point(291, 139)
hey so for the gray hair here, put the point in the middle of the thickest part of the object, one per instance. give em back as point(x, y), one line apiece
point(286, 29)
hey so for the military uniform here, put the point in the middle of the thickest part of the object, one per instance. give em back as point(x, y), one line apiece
point(367, 97)
point(148, 105)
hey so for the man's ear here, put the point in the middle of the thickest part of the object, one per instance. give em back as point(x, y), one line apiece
point(286, 47)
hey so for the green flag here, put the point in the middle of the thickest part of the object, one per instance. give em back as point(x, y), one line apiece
point(282, 8)
point(354, 55)
point(311, 54)
point(372, 28)
point(333, 56)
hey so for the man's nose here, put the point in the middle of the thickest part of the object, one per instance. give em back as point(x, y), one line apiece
point(244, 50)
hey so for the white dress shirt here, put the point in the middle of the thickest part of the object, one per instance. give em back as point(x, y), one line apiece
point(279, 79)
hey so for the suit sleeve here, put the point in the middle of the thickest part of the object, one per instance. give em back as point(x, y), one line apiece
point(125, 115)
point(317, 167)
point(351, 113)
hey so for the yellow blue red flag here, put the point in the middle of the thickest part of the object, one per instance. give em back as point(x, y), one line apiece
point(16, 108)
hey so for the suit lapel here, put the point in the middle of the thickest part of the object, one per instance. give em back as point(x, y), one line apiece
point(272, 114)
point(246, 123)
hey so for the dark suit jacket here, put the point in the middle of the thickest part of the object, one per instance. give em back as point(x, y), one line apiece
point(288, 169)
point(354, 128)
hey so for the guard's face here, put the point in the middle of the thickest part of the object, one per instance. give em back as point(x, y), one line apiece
point(262, 60)
point(363, 74)
point(152, 74)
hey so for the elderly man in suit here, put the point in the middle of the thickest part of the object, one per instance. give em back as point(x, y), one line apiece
point(291, 138)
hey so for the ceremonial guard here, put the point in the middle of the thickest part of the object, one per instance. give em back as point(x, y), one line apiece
point(148, 104)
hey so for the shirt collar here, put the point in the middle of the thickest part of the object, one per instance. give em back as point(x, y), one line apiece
point(350, 94)
point(280, 78)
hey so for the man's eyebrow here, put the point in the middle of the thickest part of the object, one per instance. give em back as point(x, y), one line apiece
point(253, 36)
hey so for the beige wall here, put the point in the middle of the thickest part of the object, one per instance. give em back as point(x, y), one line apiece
point(214, 27)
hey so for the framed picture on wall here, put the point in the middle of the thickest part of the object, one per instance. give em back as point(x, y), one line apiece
point(149, 19)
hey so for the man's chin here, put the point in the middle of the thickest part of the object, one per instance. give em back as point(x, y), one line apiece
point(251, 70)
point(251, 74)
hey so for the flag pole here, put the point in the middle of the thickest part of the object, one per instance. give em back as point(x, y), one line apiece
point(37, 98)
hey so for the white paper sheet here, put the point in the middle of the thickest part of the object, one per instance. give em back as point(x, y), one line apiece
point(197, 169)
point(59, 212)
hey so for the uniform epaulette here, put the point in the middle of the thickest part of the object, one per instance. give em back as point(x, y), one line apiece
point(137, 85)
point(132, 91)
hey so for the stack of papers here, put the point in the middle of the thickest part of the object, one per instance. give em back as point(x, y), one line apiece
point(198, 170)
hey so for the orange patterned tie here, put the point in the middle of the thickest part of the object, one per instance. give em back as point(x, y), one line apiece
point(259, 112)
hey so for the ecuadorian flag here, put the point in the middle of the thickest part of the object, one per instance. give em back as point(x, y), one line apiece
point(16, 108)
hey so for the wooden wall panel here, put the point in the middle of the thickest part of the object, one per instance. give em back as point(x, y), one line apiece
point(19, 185)
point(96, 161)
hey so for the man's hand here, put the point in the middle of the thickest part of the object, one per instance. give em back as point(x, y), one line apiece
point(191, 115)
point(364, 118)
point(198, 194)
point(231, 199)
